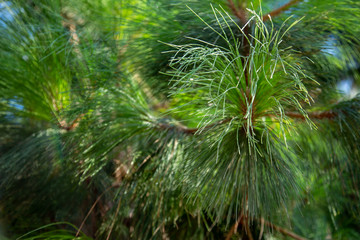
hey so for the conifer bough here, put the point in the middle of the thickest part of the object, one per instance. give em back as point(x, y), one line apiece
point(144, 119)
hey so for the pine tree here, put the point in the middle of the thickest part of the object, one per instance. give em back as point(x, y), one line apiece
point(154, 119)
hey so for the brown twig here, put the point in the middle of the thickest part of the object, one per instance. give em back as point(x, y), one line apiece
point(244, 221)
point(283, 230)
point(240, 13)
point(92, 209)
point(113, 222)
point(247, 229)
point(313, 115)
point(279, 10)
point(69, 24)
point(234, 228)
point(263, 222)
point(294, 115)
point(72, 125)
point(190, 131)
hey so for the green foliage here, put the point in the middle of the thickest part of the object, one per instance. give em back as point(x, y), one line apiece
point(54, 234)
point(144, 119)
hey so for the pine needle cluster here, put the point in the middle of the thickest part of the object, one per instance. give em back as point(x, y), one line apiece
point(144, 119)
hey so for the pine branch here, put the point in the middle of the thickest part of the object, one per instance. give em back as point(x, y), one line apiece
point(69, 24)
point(190, 131)
point(234, 228)
point(294, 115)
point(279, 10)
point(313, 115)
point(113, 222)
point(247, 229)
point(269, 224)
point(239, 13)
point(72, 125)
point(283, 230)
point(92, 208)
